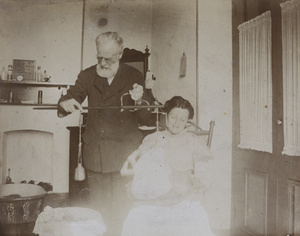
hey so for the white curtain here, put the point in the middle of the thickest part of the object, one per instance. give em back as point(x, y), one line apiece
point(255, 83)
point(291, 76)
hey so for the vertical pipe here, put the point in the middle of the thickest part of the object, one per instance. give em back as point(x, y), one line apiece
point(197, 66)
point(82, 34)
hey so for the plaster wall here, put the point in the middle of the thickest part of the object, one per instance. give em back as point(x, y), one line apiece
point(132, 19)
point(46, 31)
point(215, 101)
point(174, 33)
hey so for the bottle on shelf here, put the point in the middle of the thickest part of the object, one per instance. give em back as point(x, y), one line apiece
point(45, 76)
point(40, 97)
point(3, 74)
point(10, 96)
point(9, 72)
point(38, 74)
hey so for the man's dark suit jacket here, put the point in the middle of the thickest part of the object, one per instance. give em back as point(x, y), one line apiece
point(110, 135)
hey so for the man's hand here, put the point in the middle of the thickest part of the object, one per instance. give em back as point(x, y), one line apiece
point(71, 105)
point(137, 93)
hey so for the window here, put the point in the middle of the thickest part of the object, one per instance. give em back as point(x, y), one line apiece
point(255, 83)
point(291, 76)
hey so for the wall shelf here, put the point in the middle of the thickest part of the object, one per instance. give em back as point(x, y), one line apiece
point(27, 104)
point(33, 83)
point(25, 93)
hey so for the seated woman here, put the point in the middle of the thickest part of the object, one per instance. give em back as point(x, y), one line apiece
point(170, 179)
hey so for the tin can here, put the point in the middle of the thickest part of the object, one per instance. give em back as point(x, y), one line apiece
point(40, 97)
point(11, 97)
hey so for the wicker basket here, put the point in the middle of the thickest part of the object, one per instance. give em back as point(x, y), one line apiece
point(20, 203)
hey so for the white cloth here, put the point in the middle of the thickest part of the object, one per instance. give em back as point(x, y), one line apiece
point(186, 218)
point(73, 221)
point(151, 176)
point(186, 156)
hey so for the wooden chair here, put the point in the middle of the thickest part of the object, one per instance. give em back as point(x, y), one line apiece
point(206, 135)
point(137, 59)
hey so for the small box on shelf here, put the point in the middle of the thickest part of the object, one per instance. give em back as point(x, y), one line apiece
point(24, 69)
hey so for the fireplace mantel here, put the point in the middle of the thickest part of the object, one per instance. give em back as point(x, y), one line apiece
point(24, 93)
point(18, 118)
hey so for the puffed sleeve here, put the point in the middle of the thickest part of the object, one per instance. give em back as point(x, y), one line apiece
point(202, 174)
point(148, 143)
point(201, 150)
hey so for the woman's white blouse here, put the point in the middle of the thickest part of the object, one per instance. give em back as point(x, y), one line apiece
point(182, 151)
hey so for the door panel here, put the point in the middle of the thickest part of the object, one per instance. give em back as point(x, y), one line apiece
point(288, 207)
point(294, 207)
point(255, 188)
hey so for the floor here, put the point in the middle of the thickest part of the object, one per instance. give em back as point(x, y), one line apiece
point(59, 200)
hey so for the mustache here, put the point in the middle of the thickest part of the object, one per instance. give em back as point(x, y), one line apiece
point(105, 67)
point(107, 71)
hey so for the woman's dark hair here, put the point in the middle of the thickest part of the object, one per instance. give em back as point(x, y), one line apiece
point(179, 102)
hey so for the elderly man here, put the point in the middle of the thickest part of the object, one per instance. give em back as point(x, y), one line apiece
point(110, 135)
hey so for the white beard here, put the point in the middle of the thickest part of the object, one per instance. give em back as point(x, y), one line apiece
point(108, 72)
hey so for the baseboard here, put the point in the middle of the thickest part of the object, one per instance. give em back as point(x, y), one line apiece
point(221, 232)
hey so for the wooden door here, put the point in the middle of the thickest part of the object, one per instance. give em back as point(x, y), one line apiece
point(266, 186)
